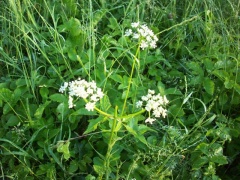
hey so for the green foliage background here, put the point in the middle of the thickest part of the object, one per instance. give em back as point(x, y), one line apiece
point(44, 43)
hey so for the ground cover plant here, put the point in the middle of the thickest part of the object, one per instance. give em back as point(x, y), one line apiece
point(119, 89)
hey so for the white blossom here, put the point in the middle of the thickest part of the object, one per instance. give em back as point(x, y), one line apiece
point(154, 103)
point(128, 32)
point(63, 87)
point(135, 24)
point(147, 38)
point(150, 120)
point(90, 106)
point(139, 104)
point(80, 88)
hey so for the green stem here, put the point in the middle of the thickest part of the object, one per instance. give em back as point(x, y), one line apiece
point(130, 80)
point(110, 143)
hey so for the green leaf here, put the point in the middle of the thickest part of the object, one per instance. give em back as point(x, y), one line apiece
point(209, 65)
point(223, 98)
point(220, 159)
point(105, 103)
point(5, 94)
point(84, 111)
point(99, 165)
point(44, 92)
point(40, 110)
point(93, 124)
point(208, 85)
point(200, 162)
point(116, 78)
point(203, 147)
point(58, 98)
point(12, 120)
point(63, 147)
point(133, 129)
point(196, 68)
point(237, 88)
point(73, 166)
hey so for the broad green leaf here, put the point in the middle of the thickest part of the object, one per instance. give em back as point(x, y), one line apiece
point(5, 94)
point(174, 91)
point(116, 78)
point(73, 166)
point(196, 68)
point(12, 120)
point(237, 88)
point(105, 103)
point(176, 110)
point(63, 147)
point(209, 65)
point(93, 124)
point(208, 85)
point(98, 165)
point(229, 84)
point(44, 92)
point(136, 134)
point(58, 98)
point(199, 163)
point(203, 147)
point(40, 110)
point(220, 159)
point(84, 111)
point(223, 98)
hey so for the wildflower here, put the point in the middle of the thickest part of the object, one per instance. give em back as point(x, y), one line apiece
point(63, 87)
point(80, 88)
point(90, 106)
point(139, 104)
point(135, 24)
point(146, 37)
point(154, 103)
point(150, 120)
point(128, 32)
point(70, 102)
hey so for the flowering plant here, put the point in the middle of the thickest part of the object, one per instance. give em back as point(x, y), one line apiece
point(155, 103)
point(146, 37)
point(80, 88)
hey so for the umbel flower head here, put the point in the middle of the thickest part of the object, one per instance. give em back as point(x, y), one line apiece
point(80, 88)
point(155, 104)
point(145, 35)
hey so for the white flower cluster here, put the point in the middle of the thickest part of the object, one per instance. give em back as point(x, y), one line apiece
point(155, 103)
point(82, 89)
point(146, 36)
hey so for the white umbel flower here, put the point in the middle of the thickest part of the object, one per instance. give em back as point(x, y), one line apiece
point(146, 37)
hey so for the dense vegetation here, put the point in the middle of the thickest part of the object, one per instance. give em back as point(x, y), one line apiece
point(48, 44)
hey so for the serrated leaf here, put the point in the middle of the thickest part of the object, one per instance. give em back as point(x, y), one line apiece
point(208, 85)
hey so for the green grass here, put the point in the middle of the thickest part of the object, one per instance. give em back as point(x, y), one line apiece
point(196, 65)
